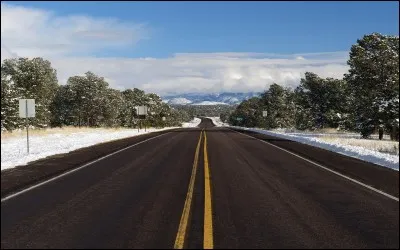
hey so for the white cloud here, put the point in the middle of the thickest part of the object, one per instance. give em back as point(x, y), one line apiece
point(34, 32)
point(62, 39)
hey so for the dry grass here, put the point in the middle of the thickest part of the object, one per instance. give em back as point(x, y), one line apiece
point(389, 147)
point(316, 131)
point(327, 130)
point(48, 131)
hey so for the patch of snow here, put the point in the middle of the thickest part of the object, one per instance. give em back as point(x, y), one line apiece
point(179, 101)
point(193, 123)
point(362, 153)
point(217, 121)
point(210, 103)
point(14, 151)
point(230, 99)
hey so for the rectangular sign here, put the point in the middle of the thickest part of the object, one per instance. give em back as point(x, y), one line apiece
point(239, 119)
point(26, 108)
point(141, 110)
point(265, 113)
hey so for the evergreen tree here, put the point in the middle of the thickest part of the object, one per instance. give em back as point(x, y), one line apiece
point(36, 79)
point(62, 107)
point(323, 101)
point(279, 103)
point(9, 104)
point(89, 98)
point(374, 81)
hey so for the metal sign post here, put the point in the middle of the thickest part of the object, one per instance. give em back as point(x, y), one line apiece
point(163, 119)
point(26, 110)
point(265, 114)
point(142, 111)
point(27, 126)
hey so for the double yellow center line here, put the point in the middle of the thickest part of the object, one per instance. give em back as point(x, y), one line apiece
point(208, 242)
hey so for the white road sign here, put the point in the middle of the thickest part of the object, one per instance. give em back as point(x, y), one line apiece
point(26, 108)
point(265, 113)
point(142, 110)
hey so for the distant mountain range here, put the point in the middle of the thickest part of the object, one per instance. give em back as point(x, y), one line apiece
point(208, 99)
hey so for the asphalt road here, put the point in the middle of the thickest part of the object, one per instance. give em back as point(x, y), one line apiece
point(192, 189)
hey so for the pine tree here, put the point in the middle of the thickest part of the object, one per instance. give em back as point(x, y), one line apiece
point(374, 82)
point(37, 80)
point(279, 103)
point(112, 108)
point(321, 102)
point(9, 104)
point(89, 98)
point(62, 107)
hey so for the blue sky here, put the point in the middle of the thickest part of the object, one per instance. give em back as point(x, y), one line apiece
point(192, 47)
point(272, 27)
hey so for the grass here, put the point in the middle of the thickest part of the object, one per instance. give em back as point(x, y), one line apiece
point(349, 138)
point(384, 146)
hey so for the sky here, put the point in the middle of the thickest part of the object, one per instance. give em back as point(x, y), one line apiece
point(193, 47)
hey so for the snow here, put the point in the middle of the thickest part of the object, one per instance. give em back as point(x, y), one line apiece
point(14, 151)
point(210, 103)
point(179, 101)
point(193, 123)
point(338, 146)
point(217, 122)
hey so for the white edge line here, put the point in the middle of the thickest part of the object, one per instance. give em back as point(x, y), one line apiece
point(75, 169)
point(330, 170)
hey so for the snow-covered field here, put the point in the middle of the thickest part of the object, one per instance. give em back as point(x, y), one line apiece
point(193, 123)
point(56, 141)
point(384, 153)
point(43, 143)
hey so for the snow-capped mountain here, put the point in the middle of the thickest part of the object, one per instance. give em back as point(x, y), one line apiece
point(179, 100)
point(208, 99)
point(209, 103)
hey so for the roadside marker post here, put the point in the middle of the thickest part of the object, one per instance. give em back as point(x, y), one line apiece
point(142, 111)
point(265, 114)
point(163, 119)
point(26, 110)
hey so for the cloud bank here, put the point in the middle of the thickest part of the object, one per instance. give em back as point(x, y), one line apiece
point(71, 43)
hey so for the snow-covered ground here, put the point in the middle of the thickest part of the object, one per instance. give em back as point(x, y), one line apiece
point(193, 123)
point(56, 141)
point(44, 143)
point(217, 122)
point(366, 150)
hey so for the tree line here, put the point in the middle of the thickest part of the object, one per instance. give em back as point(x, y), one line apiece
point(365, 100)
point(83, 101)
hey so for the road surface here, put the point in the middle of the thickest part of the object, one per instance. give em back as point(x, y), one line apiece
point(205, 187)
